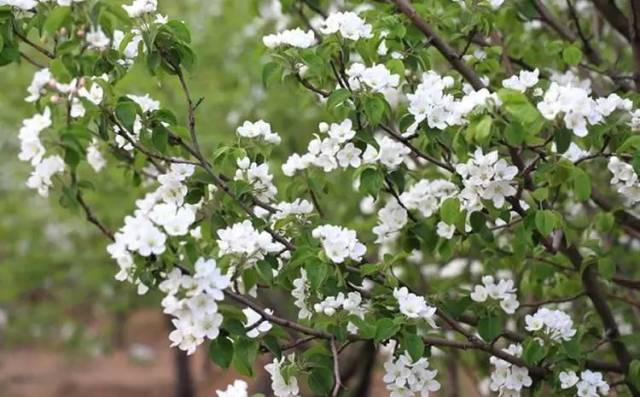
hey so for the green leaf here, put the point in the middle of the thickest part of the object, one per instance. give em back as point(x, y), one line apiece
point(581, 184)
point(244, 356)
point(374, 108)
point(160, 138)
point(270, 72)
point(385, 329)
point(489, 327)
point(265, 271)
point(414, 345)
point(606, 268)
point(126, 113)
point(450, 211)
point(221, 351)
point(545, 222)
point(572, 55)
point(56, 19)
point(371, 181)
point(634, 373)
point(532, 352)
point(480, 130)
point(317, 272)
point(563, 140)
point(337, 98)
point(320, 381)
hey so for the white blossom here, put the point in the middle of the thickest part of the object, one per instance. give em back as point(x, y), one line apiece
point(282, 387)
point(40, 178)
point(339, 243)
point(348, 24)
point(414, 306)
point(238, 388)
point(555, 324)
point(294, 38)
point(405, 378)
point(503, 291)
point(260, 129)
point(141, 7)
point(524, 80)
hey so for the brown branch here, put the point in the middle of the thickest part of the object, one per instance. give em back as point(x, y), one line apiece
point(33, 45)
point(442, 46)
point(337, 383)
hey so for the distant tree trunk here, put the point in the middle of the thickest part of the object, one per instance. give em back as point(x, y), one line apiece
point(364, 382)
point(119, 327)
point(183, 378)
point(453, 378)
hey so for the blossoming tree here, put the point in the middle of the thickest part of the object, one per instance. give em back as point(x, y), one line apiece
point(468, 201)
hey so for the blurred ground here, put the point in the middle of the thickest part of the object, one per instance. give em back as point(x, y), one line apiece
point(144, 368)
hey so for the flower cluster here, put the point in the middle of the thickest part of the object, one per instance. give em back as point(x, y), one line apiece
point(430, 102)
point(140, 7)
point(245, 242)
point(351, 303)
point(427, 196)
point(282, 387)
point(298, 208)
point(625, 179)
point(300, 293)
point(294, 38)
point(509, 379)
point(504, 291)
point(258, 176)
point(327, 153)
point(238, 388)
point(348, 24)
point(376, 78)
point(414, 306)
point(578, 108)
point(339, 243)
point(258, 130)
point(163, 209)
point(94, 157)
point(524, 80)
point(590, 384)
point(192, 301)
point(555, 324)
point(405, 378)
point(486, 177)
point(391, 219)
point(255, 324)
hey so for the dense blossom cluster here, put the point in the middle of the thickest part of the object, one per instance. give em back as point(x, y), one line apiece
point(258, 176)
point(348, 24)
point(337, 150)
point(414, 306)
point(486, 177)
point(339, 243)
point(554, 324)
point(351, 303)
point(508, 379)
point(589, 384)
point(578, 108)
point(441, 110)
point(258, 130)
point(300, 293)
point(405, 377)
point(192, 301)
point(161, 213)
point(163, 223)
point(282, 385)
point(246, 243)
point(293, 38)
point(625, 180)
point(523, 81)
point(503, 291)
point(376, 78)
